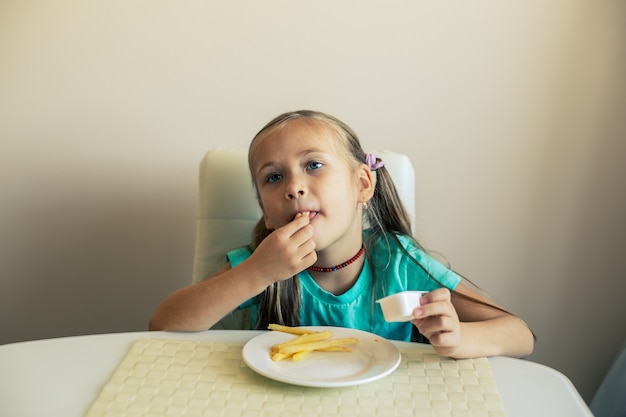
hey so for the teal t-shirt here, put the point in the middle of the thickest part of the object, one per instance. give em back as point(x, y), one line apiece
point(356, 308)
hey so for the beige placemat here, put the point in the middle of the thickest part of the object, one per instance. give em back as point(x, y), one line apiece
point(188, 378)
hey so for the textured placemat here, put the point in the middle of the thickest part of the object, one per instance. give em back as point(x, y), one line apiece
point(188, 378)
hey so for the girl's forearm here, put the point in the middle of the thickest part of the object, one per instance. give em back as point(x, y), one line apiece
point(504, 335)
point(199, 306)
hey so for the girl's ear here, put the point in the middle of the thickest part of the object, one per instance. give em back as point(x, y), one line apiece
point(366, 183)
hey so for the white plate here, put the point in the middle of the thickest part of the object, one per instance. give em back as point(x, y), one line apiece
point(372, 358)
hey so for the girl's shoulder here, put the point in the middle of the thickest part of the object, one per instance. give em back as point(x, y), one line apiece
point(402, 256)
point(391, 242)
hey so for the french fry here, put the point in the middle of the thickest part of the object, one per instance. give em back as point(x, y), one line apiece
point(291, 330)
point(322, 344)
point(279, 356)
point(306, 338)
point(298, 356)
point(335, 349)
point(307, 341)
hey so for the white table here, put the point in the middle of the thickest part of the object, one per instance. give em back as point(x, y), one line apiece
point(62, 377)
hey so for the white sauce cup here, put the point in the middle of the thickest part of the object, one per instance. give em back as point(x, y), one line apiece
point(400, 306)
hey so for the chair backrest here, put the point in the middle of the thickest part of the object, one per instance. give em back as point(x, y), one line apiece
point(228, 209)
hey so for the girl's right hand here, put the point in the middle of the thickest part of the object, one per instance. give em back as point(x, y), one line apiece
point(286, 251)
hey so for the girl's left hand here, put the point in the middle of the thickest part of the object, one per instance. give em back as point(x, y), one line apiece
point(437, 319)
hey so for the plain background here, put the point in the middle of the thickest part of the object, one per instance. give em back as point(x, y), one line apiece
point(513, 114)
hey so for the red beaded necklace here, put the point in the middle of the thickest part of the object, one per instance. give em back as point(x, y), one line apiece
point(342, 265)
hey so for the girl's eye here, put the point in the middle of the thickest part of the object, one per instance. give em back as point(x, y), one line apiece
point(273, 178)
point(314, 165)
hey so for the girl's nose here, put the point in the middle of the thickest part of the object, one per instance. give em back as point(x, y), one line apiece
point(295, 189)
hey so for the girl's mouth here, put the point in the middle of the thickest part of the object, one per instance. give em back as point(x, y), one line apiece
point(311, 214)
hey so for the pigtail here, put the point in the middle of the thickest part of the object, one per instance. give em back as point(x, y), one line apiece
point(389, 218)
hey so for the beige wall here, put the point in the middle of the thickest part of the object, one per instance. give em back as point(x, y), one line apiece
point(512, 112)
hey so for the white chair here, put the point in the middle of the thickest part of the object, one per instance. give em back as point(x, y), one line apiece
point(228, 209)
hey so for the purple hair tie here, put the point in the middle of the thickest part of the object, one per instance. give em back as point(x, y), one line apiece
point(370, 160)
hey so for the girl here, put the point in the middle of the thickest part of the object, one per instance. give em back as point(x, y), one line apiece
point(311, 262)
